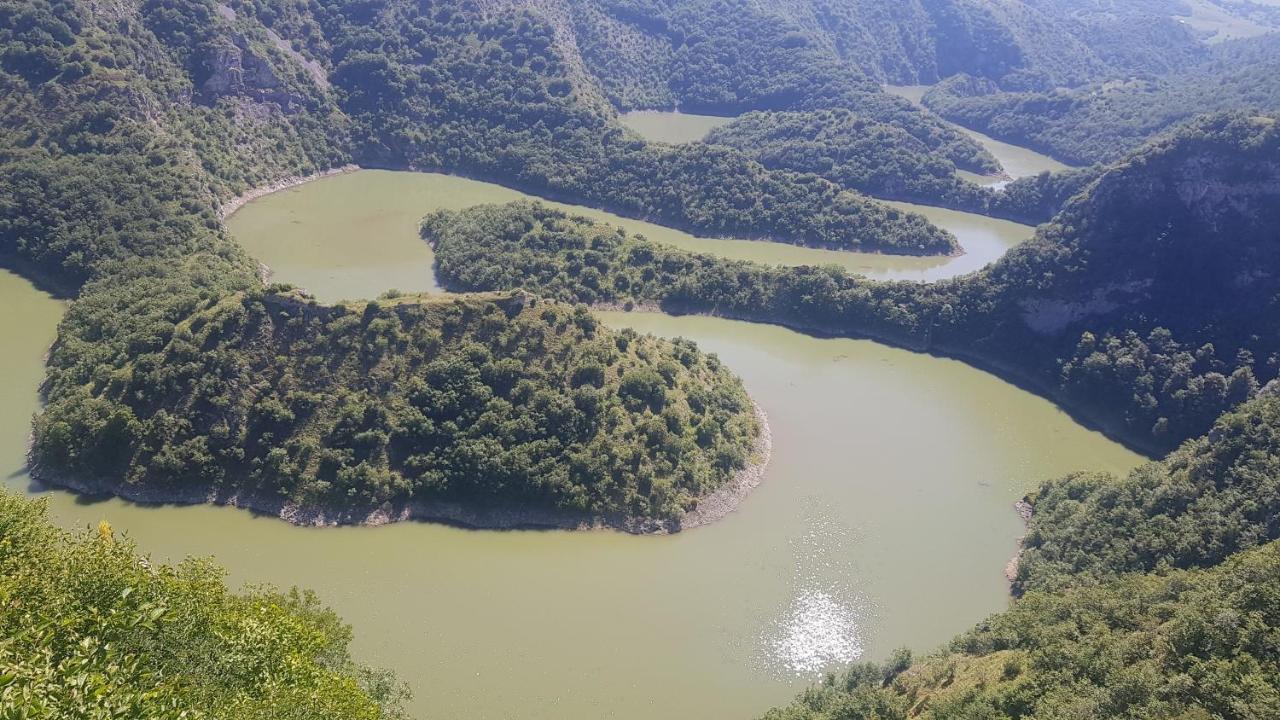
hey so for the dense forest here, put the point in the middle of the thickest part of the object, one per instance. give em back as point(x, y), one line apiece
point(1150, 322)
point(94, 630)
point(726, 56)
point(270, 397)
point(1102, 121)
point(857, 152)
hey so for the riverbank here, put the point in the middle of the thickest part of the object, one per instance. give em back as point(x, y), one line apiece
point(228, 208)
point(1025, 510)
point(711, 508)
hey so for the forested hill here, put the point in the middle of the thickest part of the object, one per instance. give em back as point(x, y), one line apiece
point(729, 55)
point(1149, 304)
point(1153, 297)
point(329, 414)
point(1101, 121)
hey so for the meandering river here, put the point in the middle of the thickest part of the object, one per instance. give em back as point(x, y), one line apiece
point(342, 235)
point(884, 520)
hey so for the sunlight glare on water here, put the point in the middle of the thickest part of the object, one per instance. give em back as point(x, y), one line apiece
point(819, 632)
point(824, 623)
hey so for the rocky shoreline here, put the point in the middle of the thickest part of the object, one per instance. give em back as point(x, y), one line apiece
point(228, 208)
point(715, 506)
point(1025, 510)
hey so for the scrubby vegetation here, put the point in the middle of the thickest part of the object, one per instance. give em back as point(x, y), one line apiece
point(93, 630)
point(1149, 304)
point(490, 401)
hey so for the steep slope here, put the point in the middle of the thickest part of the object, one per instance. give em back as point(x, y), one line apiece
point(1102, 121)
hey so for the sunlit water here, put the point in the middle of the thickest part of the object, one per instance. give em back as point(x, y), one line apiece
point(884, 520)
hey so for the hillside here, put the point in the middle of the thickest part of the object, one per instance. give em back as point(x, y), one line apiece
point(1102, 121)
point(730, 55)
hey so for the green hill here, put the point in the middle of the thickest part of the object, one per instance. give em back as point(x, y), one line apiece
point(367, 413)
point(1102, 121)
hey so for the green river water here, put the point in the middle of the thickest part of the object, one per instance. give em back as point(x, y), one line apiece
point(885, 518)
point(672, 127)
point(344, 236)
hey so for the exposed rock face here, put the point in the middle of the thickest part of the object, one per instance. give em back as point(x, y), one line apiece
point(236, 70)
point(1182, 236)
point(1048, 316)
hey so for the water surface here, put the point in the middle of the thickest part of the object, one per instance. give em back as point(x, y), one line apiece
point(672, 126)
point(885, 520)
point(356, 235)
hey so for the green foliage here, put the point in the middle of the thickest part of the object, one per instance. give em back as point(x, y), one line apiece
point(858, 152)
point(1215, 496)
point(1103, 121)
point(93, 630)
point(1149, 304)
point(897, 161)
point(493, 401)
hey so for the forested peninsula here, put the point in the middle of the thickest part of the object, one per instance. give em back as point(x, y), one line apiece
point(480, 410)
